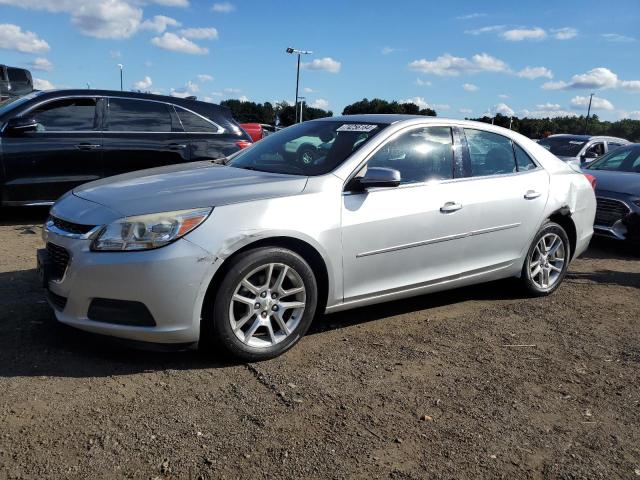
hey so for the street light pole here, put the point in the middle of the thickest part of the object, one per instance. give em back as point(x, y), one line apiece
point(291, 50)
point(586, 120)
point(302, 99)
point(121, 67)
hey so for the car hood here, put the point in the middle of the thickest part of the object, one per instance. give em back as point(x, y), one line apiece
point(620, 182)
point(184, 186)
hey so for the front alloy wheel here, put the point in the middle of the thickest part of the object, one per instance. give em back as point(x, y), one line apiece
point(263, 305)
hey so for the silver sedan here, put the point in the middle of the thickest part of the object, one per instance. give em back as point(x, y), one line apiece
point(240, 254)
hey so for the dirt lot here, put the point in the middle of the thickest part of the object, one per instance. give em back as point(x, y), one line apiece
point(474, 383)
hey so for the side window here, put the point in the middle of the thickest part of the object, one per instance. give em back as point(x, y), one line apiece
point(523, 160)
point(595, 150)
point(490, 153)
point(194, 123)
point(419, 155)
point(138, 116)
point(612, 146)
point(70, 114)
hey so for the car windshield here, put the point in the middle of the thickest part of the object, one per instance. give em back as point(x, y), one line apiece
point(563, 146)
point(624, 159)
point(12, 102)
point(310, 148)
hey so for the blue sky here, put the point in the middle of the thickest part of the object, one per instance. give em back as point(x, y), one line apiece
point(462, 58)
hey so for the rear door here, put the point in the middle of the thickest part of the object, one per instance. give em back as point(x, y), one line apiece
point(64, 152)
point(507, 195)
point(141, 134)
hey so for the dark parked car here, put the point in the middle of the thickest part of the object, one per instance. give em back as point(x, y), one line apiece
point(14, 82)
point(53, 141)
point(617, 177)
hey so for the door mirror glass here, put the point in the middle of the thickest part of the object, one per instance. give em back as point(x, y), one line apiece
point(19, 125)
point(377, 177)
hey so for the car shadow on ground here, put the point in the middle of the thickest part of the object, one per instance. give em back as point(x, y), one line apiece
point(33, 343)
point(606, 277)
point(608, 249)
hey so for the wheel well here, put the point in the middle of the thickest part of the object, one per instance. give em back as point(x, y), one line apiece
point(302, 248)
point(563, 218)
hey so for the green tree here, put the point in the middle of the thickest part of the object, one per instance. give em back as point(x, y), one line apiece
point(378, 105)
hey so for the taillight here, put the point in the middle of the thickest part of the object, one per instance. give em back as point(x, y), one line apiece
point(592, 180)
point(243, 144)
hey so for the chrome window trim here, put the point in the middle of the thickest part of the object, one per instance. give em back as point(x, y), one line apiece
point(220, 129)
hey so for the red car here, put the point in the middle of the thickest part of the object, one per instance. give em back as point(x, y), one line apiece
point(257, 131)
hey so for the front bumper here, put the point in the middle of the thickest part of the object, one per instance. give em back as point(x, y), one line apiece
point(621, 224)
point(170, 282)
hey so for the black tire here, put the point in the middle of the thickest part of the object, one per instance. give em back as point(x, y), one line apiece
point(217, 331)
point(531, 286)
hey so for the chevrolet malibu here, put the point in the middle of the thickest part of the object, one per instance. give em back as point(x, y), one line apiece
point(240, 255)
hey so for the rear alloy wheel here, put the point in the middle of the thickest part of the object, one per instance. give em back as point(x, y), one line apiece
point(265, 303)
point(547, 260)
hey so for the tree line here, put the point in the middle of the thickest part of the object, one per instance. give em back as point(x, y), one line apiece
point(282, 113)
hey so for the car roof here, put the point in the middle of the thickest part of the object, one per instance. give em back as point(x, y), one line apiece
point(585, 138)
point(204, 108)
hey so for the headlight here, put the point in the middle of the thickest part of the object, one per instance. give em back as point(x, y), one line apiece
point(145, 232)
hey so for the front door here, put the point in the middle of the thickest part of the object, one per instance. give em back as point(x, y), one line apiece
point(64, 151)
point(142, 134)
point(405, 237)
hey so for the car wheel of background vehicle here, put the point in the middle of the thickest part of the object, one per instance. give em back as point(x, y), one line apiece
point(264, 305)
point(547, 260)
point(307, 154)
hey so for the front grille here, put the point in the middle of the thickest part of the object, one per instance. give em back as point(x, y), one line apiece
point(59, 257)
point(609, 211)
point(76, 228)
point(58, 301)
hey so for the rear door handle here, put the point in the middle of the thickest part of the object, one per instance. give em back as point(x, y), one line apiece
point(87, 146)
point(450, 207)
point(177, 146)
point(531, 194)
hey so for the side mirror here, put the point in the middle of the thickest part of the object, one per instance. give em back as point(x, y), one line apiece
point(376, 177)
point(19, 125)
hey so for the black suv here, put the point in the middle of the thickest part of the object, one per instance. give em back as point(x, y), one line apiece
point(14, 82)
point(53, 141)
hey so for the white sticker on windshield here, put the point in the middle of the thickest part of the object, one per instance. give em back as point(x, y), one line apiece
point(356, 127)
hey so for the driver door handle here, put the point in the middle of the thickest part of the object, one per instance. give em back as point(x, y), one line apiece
point(87, 146)
point(450, 207)
point(531, 194)
point(177, 146)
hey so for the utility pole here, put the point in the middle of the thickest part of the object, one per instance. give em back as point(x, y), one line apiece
point(302, 99)
point(586, 120)
point(291, 50)
point(121, 67)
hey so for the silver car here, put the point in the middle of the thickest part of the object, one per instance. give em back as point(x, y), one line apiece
point(241, 256)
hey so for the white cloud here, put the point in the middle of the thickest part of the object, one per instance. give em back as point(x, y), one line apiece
point(309, 90)
point(504, 109)
point(441, 106)
point(470, 87)
point(448, 65)
point(419, 101)
point(616, 37)
point(598, 103)
point(106, 18)
point(41, 64)
point(535, 72)
point(143, 84)
point(159, 23)
point(188, 90)
point(12, 37)
point(232, 91)
point(224, 7)
point(388, 50)
point(422, 83)
point(633, 115)
point(566, 33)
point(471, 16)
point(488, 29)
point(172, 3)
point(115, 54)
point(208, 33)
point(320, 103)
point(465, 111)
point(175, 43)
point(548, 106)
point(243, 98)
point(41, 84)
point(503, 95)
point(519, 34)
point(538, 113)
point(327, 64)
point(204, 77)
point(594, 79)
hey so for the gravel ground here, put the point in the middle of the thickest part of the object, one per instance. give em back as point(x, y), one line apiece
point(474, 383)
